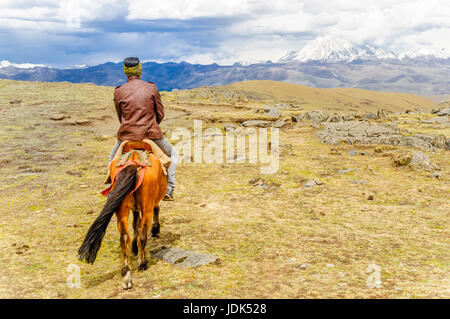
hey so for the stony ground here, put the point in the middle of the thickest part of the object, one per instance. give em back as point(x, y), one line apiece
point(275, 236)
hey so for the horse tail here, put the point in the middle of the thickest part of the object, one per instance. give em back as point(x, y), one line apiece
point(126, 182)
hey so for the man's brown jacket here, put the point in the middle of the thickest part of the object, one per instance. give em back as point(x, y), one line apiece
point(139, 108)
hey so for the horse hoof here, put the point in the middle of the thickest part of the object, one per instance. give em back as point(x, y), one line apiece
point(143, 266)
point(155, 231)
point(127, 283)
point(127, 286)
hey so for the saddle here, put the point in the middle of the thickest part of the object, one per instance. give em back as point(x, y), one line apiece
point(143, 148)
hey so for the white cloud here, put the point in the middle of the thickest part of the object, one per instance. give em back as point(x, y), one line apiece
point(227, 31)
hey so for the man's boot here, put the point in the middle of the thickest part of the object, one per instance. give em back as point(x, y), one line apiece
point(169, 195)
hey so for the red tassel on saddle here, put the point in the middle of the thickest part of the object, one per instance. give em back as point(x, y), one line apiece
point(106, 191)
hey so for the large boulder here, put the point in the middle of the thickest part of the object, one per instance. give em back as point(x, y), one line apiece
point(444, 112)
point(315, 116)
point(440, 106)
point(419, 161)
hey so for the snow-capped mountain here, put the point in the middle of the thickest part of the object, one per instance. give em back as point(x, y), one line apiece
point(332, 50)
point(5, 64)
point(426, 53)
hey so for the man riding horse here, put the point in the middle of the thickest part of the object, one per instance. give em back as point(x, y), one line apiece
point(140, 111)
point(137, 176)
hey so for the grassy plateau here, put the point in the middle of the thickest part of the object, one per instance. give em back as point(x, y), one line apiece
point(280, 241)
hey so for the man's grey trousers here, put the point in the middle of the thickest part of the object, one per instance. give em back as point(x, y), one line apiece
point(167, 148)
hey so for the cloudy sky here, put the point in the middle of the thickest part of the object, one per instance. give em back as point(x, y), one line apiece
point(70, 32)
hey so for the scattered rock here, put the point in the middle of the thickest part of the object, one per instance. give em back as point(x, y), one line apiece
point(370, 197)
point(258, 123)
point(60, 157)
point(79, 123)
point(183, 258)
point(330, 265)
point(315, 125)
point(345, 171)
point(303, 266)
point(21, 249)
point(74, 173)
point(370, 116)
point(260, 182)
point(57, 117)
point(359, 182)
point(334, 151)
point(311, 183)
point(352, 152)
point(349, 117)
point(203, 205)
point(402, 158)
point(437, 175)
point(279, 123)
point(15, 102)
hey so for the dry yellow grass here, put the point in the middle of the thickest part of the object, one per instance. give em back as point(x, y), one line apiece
point(340, 99)
point(281, 242)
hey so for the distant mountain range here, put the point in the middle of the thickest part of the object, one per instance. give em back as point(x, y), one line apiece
point(325, 62)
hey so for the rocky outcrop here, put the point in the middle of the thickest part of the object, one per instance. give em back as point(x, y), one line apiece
point(441, 106)
point(269, 111)
point(444, 112)
point(365, 133)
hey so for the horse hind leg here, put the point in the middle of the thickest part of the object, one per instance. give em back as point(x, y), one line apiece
point(144, 226)
point(136, 222)
point(155, 225)
point(122, 225)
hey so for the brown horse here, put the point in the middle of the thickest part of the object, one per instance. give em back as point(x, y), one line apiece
point(144, 203)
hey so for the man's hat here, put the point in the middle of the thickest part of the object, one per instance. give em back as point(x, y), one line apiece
point(132, 66)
